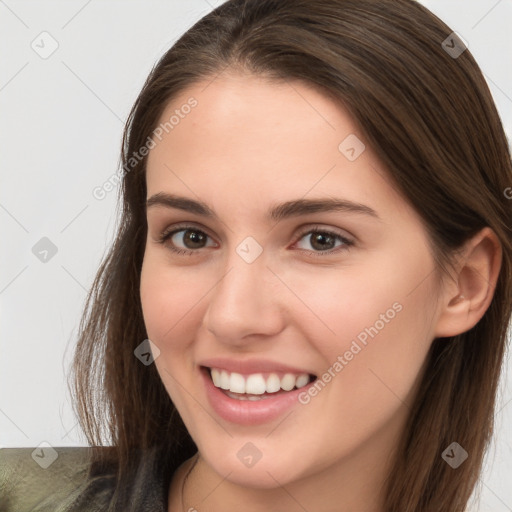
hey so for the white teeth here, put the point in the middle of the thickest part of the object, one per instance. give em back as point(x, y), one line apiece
point(255, 384)
point(302, 380)
point(273, 383)
point(288, 382)
point(237, 383)
point(224, 379)
point(215, 377)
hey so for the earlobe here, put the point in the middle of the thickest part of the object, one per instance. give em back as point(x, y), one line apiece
point(477, 275)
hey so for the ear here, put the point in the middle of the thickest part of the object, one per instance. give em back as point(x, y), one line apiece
point(466, 298)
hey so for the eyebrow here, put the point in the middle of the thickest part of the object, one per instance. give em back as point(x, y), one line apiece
point(294, 208)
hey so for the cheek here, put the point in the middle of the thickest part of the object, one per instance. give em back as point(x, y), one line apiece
point(379, 297)
point(374, 335)
point(168, 298)
point(168, 301)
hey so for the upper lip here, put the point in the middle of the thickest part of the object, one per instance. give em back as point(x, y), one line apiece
point(251, 366)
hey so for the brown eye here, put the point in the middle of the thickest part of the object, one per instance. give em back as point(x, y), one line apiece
point(323, 242)
point(193, 239)
point(190, 237)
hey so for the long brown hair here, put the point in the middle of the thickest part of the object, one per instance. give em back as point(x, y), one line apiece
point(429, 116)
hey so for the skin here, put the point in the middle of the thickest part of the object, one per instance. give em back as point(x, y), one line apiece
point(247, 145)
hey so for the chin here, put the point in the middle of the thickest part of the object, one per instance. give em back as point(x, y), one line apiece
point(266, 473)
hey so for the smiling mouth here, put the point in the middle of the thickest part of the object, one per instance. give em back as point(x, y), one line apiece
point(256, 386)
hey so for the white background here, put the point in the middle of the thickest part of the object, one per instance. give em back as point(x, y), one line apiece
point(60, 131)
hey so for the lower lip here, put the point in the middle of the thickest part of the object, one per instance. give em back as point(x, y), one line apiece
point(249, 412)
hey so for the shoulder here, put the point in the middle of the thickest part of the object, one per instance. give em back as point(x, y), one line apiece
point(45, 478)
point(63, 479)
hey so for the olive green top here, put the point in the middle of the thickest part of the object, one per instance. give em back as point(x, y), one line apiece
point(56, 479)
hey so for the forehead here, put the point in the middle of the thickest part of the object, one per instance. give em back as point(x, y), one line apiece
point(253, 106)
point(250, 138)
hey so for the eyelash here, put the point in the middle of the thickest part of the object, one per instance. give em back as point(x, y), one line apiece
point(167, 234)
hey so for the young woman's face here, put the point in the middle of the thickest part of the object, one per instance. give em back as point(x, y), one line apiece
point(352, 304)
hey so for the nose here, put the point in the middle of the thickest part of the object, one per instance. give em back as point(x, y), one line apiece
point(246, 302)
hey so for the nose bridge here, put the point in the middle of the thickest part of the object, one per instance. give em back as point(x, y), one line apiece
point(243, 301)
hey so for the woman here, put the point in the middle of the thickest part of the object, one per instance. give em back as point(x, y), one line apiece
point(307, 302)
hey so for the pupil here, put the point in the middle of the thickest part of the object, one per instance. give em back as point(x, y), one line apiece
point(319, 237)
point(194, 237)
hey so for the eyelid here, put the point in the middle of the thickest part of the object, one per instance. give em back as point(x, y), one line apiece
point(307, 228)
point(303, 230)
point(347, 242)
point(182, 226)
